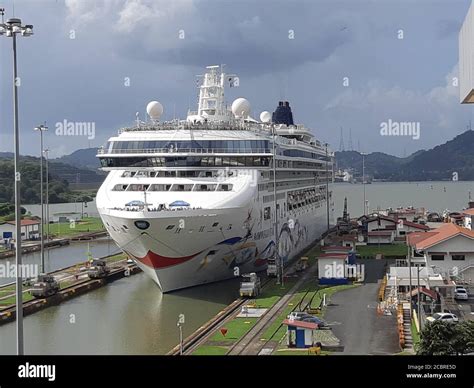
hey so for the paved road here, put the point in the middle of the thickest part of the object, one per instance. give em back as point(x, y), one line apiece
point(355, 322)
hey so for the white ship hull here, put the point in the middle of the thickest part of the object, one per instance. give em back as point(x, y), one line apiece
point(195, 256)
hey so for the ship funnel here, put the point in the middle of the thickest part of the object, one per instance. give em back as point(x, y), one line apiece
point(283, 114)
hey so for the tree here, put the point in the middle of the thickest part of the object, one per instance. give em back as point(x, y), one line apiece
point(443, 338)
point(463, 342)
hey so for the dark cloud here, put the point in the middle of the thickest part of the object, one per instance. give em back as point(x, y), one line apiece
point(83, 79)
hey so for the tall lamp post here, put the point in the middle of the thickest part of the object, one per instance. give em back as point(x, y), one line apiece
point(11, 29)
point(46, 153)
point(363, 178)
point(277, 242)
point(41, 129)
point(327, 185)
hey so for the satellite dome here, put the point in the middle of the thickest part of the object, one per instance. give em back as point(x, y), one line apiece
point(265, 117)
point(241, 107)
point(154, 110)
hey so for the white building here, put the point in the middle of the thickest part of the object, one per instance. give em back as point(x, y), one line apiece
point(449, 250)
point(466, 58)
point(468, 215)
point(29, 230)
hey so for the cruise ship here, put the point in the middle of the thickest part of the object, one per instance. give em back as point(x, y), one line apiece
point(216, 195)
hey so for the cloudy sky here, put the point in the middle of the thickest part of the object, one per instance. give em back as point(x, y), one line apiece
point(342, 64)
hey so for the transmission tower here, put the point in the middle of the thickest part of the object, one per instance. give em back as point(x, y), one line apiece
point(350, 147)
point(341, 142)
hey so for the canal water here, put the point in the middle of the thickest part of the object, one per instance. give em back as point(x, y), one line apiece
point(131, 316)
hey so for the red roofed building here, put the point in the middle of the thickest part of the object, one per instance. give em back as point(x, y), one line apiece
point(398, 228)
point(448, 249)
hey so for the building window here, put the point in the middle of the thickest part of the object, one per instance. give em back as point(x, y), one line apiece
point(266, 213)
point(437, 257)
point(458, 257)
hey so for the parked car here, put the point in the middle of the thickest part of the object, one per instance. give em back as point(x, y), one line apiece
point(298, 316)
point(321, 324)
point(461, 294)
point(444, 317)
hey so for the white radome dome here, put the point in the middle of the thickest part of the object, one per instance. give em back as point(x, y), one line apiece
point(241, 107)
point(154, 110)
point(265, 117)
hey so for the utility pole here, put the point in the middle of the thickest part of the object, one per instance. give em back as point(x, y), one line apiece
point(419, 296)
point(363, 177)
point(327, 187)
point(410, 282)
point(41, 128)
point(46, 152)
point(12, 28)
point(278, 258)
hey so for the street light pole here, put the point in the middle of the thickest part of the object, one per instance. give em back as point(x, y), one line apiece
point(11, 28)
point(41, 128)
point(327, 186)
point(277, 242)
point(410, 282)
point(363, 178)
point(46, 152)
point(419, 296)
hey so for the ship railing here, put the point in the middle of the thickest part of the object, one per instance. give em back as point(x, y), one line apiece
point(154, 209)
point(235, 125)
point(102, 151)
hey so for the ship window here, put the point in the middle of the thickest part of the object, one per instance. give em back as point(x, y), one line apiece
point(159, 187)
point(215, 224)
point(224, 187)
point(169, 227)
point(205, 187)
point(136, 187)
point(120, 187)
point(176, 187)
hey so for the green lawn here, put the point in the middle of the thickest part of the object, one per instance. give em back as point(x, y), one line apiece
point(236, 329)
point(12, 299)
point(68, 229)
point(276, 330)
point(210, 351)
point(386, 250)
